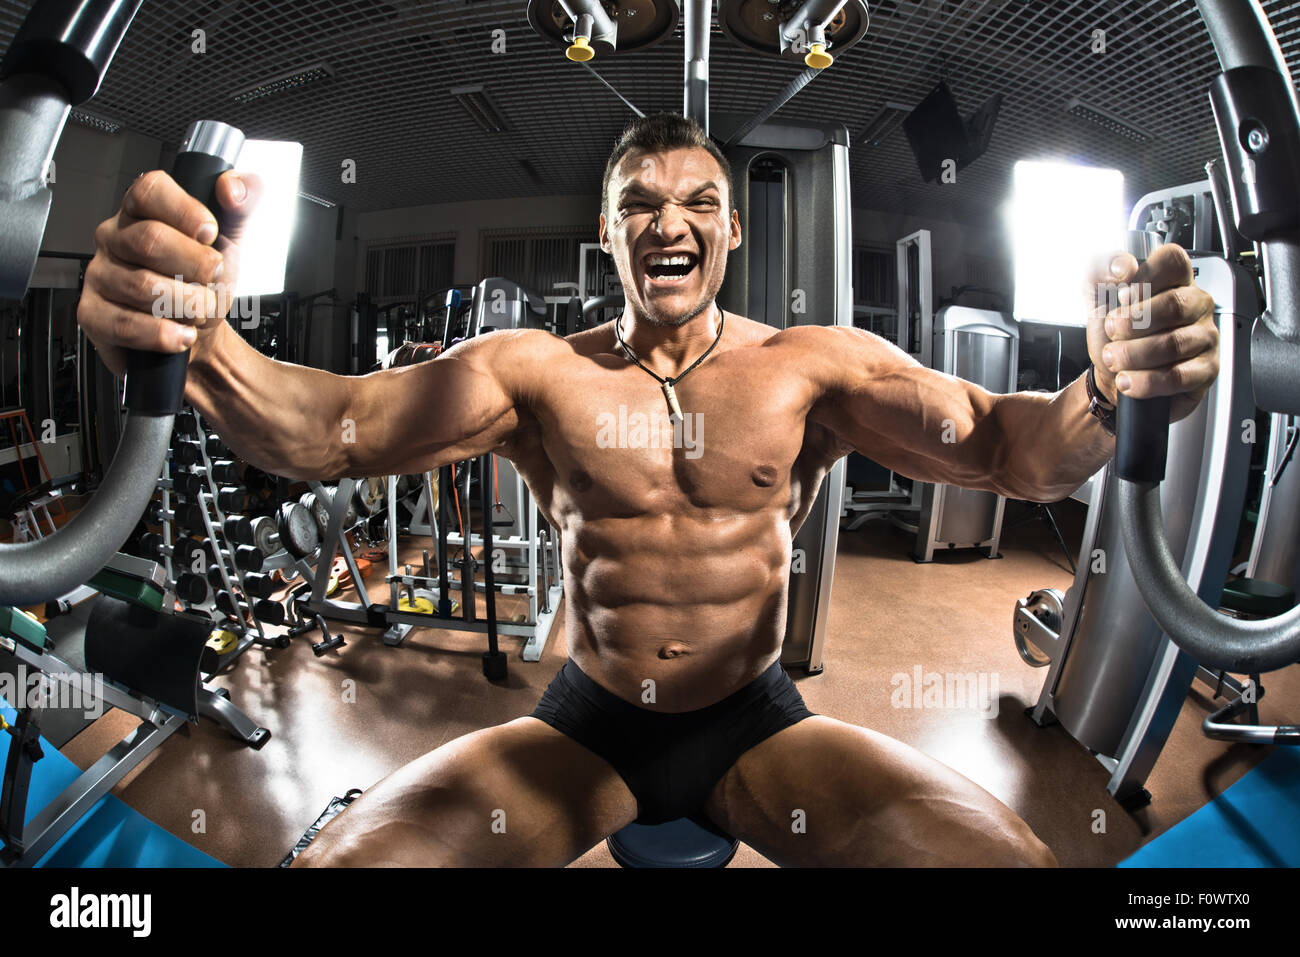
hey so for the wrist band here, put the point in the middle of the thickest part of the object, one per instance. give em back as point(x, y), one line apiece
point(1098, 407)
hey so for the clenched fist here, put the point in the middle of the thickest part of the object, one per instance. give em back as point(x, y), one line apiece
point(1157, 336)
point(161, 279)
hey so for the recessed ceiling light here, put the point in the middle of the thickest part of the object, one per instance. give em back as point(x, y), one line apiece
point(480, 107)
point(94, 120)
point(284, 82)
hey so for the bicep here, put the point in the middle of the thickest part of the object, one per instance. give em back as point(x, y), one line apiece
point(415, 418)
point(921, 423)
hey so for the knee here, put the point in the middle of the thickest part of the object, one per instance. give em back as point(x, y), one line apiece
point(1034, 853)
point(1022, 848)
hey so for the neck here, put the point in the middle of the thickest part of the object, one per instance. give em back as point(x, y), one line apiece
point(669, 349)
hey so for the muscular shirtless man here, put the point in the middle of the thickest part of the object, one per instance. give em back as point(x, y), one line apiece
point(676, 559)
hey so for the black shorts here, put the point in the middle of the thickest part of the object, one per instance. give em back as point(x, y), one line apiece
point(670, 762)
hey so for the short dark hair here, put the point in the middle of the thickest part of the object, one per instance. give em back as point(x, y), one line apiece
point(658, 133)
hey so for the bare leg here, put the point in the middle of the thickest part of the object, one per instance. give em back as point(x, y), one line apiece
point(517, 794)
point(826, 793)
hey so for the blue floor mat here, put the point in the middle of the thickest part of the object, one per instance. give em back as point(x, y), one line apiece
point(111, 834)
point(1255, 823)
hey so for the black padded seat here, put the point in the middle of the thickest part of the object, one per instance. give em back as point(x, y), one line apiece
point(685, 842)
point(1256, 597)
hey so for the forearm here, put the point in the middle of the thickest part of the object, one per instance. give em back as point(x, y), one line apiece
point(1056, 443)
point(283, 419)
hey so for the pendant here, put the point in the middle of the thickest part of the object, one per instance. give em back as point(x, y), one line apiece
point(674, 410)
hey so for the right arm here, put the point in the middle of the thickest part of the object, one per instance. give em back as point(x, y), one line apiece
point(308, 424)
point(288, 420)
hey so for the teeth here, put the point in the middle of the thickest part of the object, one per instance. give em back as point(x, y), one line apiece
point(670, 260)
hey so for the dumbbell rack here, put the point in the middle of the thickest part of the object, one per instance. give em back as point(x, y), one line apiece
point(211, 500)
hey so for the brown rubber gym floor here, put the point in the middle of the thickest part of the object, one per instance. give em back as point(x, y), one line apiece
point(888, 615)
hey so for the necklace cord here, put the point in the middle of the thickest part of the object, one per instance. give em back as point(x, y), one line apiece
point(722, 322)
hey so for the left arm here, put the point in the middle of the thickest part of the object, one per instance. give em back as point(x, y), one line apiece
point(934, 427)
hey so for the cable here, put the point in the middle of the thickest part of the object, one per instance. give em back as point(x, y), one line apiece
point(1286, 456)
point(626, 101)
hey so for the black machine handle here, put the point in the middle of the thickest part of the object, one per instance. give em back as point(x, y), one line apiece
point(155, 381)
point(57, 59)
point(1258, 119)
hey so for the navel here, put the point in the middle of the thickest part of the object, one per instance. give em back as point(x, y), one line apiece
point(764, 476)
point(673, 650)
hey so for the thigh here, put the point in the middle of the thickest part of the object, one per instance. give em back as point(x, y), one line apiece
point(518, 794)
point(826, 793)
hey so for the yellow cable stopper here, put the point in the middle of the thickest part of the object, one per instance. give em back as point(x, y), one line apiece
point(818, 58)
point(580, 51)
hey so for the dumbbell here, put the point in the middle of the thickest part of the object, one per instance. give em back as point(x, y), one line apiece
point(231, 498)
point(249, 558)
point(214, 577)
point(153, 512)
point(186, 452)
point(188, 484)
point(257, 585)
point(266, 536)
point(184, 549)
point(186, 422)
point(297, 529)
point(150, 545)
point(226, 472)
point(369, 496)
point(269, 612)
point(226, 602)
point(293, 529)
point(215, 448)
point(319, 515)
point(238, 529)
point(189, 515)
point(320, 506)
point(192, 588)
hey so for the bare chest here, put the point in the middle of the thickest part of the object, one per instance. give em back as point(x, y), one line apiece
point(610, 447)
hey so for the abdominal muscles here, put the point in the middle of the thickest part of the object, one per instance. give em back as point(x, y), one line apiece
point(675, 612)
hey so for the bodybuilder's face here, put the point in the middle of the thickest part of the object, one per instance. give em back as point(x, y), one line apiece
point(669, 232)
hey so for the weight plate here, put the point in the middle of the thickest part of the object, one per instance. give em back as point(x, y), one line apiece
point(222, 640)
point(298, 531)
point(422, 605)
point(369, 495)
point(321, 510)
point(1046, 606)
point(265, 537)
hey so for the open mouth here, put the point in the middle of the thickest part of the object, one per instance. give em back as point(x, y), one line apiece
point(670, 268)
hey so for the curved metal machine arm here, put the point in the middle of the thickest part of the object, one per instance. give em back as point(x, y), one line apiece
point(1258, 118)
point(57, 59)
